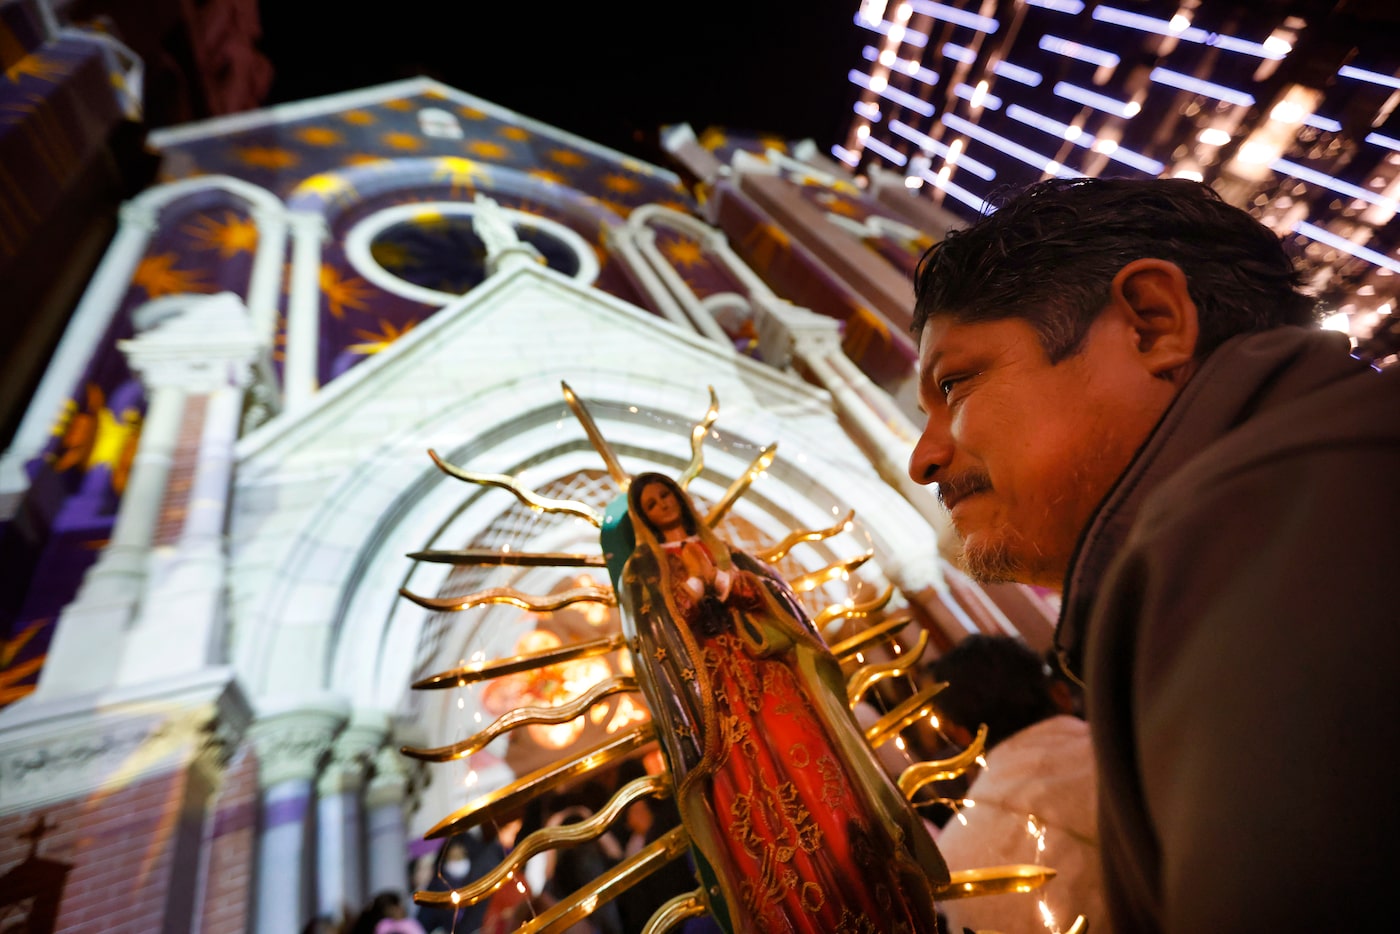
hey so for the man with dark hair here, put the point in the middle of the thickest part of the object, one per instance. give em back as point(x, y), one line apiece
point(1127, 401)
point(1034, 801)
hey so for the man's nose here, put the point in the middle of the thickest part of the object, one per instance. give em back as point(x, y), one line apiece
point(932, 452)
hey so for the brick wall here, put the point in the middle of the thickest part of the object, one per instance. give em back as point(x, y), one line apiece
point(129, 849)
point(230, 845)
point(174, 505)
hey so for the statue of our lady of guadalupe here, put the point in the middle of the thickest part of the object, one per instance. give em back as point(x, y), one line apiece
point(795, 827)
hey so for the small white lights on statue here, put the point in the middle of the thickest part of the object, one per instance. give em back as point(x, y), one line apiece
point(961, 820)
point(455, 897)
point(899, 743)
point(878, 83)
point(1048, 916)
point(477, 716)
point(969, 803)
point(933, 720)
point(461, 702)
point(1278, 45)
point(982, 761)
point(471, 778)
point(1189, 173)
point(1179, 23)
point(1214, 136)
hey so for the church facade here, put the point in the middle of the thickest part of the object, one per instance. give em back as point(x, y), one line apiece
point(213, 495)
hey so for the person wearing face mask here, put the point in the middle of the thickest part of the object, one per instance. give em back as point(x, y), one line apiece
point(465, 859)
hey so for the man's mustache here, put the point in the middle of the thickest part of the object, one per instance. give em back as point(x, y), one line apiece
point(964, 484)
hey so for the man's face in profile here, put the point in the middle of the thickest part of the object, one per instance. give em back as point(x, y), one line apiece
point(1022, 450)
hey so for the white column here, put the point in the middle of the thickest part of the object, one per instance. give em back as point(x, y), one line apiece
point(208, 349)
point(623, 242)
point(265, 281)
point(299, 376)
point(290, 748)
point(699, 316)
point(340, 824)
point(387, 830)
point(84, 332)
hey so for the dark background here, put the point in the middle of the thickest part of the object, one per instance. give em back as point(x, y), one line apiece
point(614, 73)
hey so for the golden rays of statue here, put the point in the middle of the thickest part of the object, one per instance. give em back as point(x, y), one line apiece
point(787, 819)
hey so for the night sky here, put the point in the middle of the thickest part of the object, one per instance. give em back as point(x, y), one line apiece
point(611, 72)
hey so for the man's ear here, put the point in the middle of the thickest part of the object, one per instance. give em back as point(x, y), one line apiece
point(1153, 293)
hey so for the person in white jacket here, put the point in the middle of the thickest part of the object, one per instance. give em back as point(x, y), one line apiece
point(1033, 803)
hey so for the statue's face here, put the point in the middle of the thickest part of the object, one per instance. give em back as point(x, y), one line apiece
point(661, 506)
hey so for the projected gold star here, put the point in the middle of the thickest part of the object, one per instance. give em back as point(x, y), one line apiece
point(515, 134)
point(713, 139)
point(485, 149)
point(97, 436)
point(342, 293)
point(839, 205)
point(11, 674)
point(767, 243)
point(230, 236)
point(460, 172)
point(546, 176)
point(358, 117)
point(621, 184)
point(319, 136)
point(374, 342)
point(158, 276)
point(391, 255)
point(327, 186)
point(266, 157)
point(568, 157)
point(683, 253)
point(37, 66)
point(403, 141)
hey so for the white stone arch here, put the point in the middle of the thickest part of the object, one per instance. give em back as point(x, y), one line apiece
point(139, 220)
point(334, 620)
